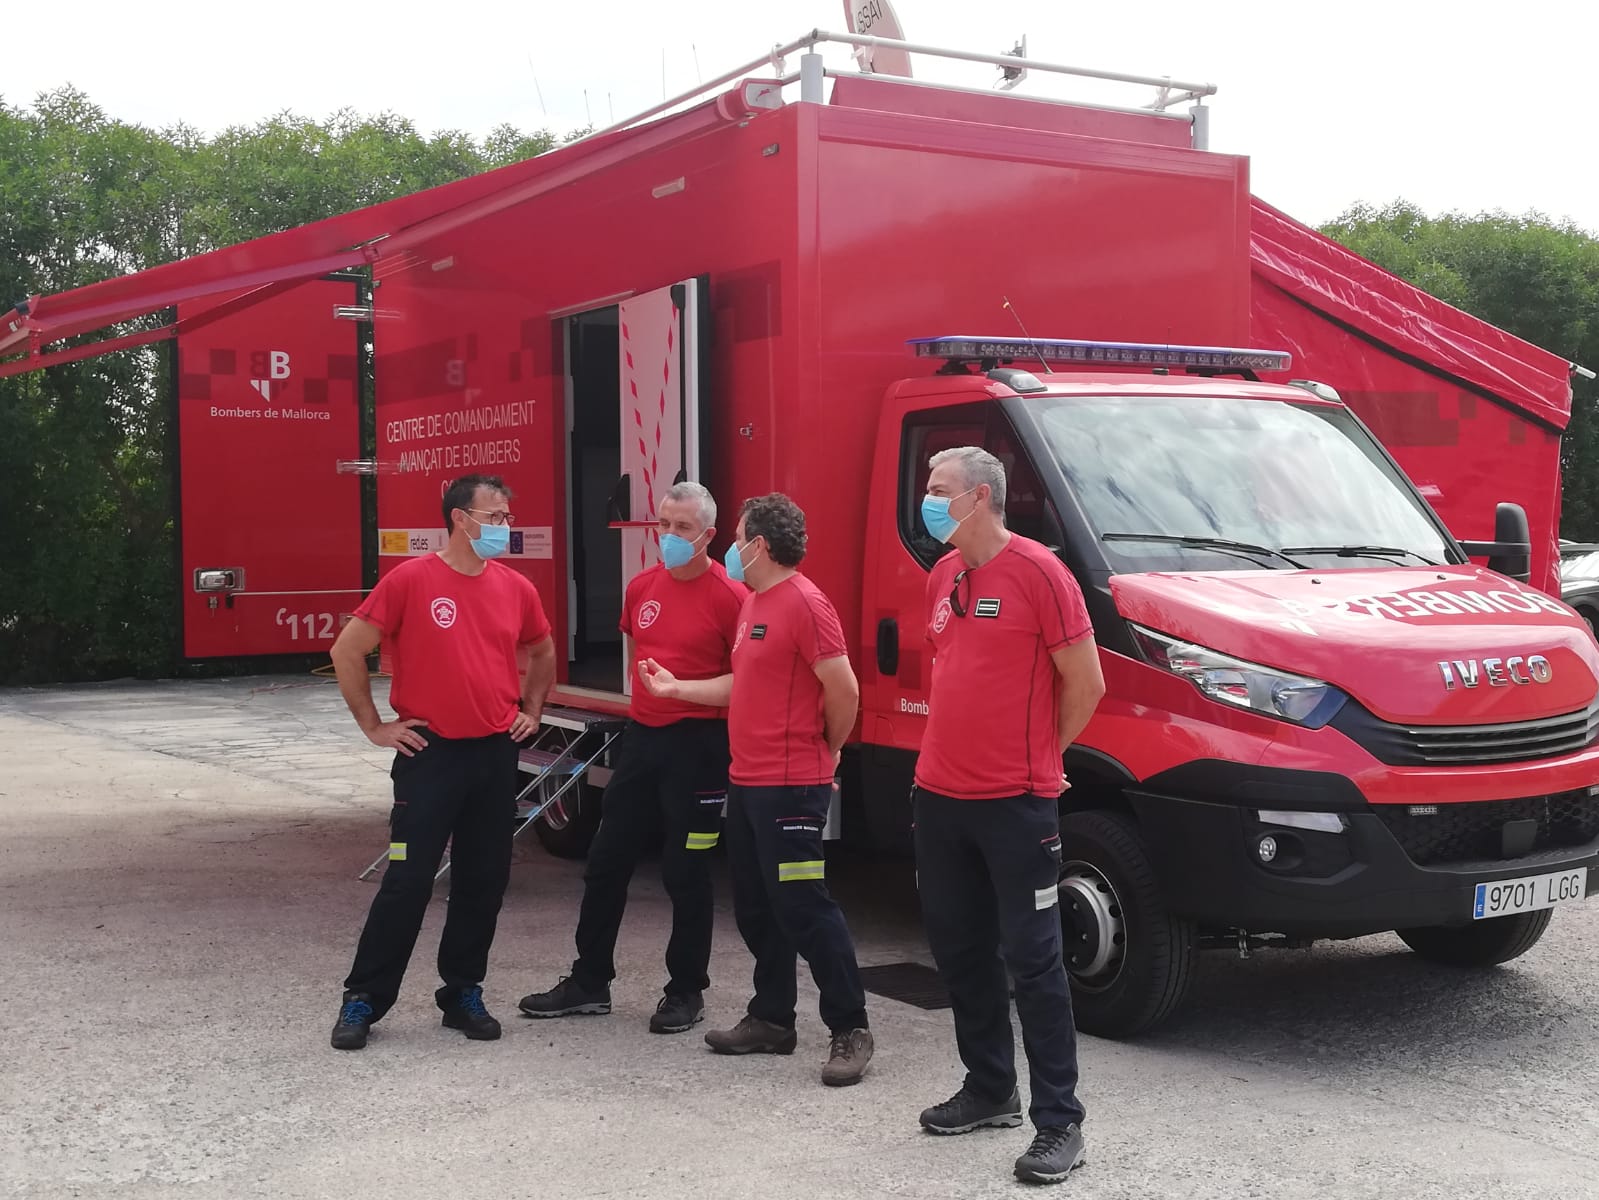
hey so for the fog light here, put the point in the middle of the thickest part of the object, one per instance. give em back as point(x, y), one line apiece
point(1266, 848)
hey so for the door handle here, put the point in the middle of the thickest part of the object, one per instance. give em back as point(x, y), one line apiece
point(620, 506)
point(888, 646)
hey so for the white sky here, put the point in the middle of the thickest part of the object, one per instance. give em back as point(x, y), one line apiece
point(1454, 106)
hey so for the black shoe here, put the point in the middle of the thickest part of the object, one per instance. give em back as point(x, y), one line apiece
point(463, 1010)
point(677, 1014)
point(567, 999)
point(355, 1022)
point(964, 1112)
point(1056, 1152)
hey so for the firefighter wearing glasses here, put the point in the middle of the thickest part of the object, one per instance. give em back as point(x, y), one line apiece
point(1015, 679)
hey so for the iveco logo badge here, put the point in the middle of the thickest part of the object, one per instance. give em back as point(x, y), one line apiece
point(1496, 672)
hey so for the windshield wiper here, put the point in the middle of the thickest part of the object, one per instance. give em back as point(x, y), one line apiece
point(1360, 552)
point(1243, 549)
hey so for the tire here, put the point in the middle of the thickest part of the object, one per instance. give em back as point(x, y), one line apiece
point(1481, 944)
point(567, 827)
point(1589, 615)
point(1136, 977)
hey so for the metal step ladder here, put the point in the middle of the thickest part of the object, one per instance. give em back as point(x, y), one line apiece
point(568, 746)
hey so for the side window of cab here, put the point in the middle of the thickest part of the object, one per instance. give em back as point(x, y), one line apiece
point(1027, 509)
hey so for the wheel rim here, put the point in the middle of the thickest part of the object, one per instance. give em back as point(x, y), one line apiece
point(1093, 929)
point(556, 815)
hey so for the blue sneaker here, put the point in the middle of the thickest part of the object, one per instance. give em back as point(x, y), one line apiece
point(355, 1022)
point(463, 1010)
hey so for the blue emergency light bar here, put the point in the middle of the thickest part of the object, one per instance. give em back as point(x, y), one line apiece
point(1131, 354)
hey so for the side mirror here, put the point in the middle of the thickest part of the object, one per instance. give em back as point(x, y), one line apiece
point(1510, 553)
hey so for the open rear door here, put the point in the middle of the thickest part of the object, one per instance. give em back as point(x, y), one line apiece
point(662, 374)
point(270, 530)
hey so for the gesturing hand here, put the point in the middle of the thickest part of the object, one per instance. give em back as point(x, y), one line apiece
point(398, 735)
point(657, 679)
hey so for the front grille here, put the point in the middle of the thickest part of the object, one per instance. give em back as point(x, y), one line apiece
point(1467, 745)
point(1458, 833)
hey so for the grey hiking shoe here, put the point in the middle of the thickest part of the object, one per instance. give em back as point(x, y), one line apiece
point(966, 1111)
point(847, 1057)
point(1056, 1152)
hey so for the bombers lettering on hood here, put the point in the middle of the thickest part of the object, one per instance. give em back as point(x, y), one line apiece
point(1405, 606)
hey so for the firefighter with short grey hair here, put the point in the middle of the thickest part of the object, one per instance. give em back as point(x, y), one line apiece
point(670, 774)
point(1015, 679)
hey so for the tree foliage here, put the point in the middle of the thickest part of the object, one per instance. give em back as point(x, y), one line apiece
point(88, 583)
point(1536, 278)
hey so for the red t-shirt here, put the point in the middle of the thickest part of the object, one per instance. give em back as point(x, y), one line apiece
point(686, 625)
point(453, 640)
point(994, 704)
point(775, 727)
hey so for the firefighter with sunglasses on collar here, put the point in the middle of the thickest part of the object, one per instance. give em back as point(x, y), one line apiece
point(1015, 679)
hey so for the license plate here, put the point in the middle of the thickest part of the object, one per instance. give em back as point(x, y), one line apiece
point(1528, 894)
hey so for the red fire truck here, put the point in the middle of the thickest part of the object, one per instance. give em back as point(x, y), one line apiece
point(1324, 718)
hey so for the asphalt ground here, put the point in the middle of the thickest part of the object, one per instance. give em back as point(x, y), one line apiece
point(178, 904)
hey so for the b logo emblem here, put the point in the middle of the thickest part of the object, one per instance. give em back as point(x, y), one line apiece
point(443, 612)
point(648, 612)
point(743, 628)
point(941, 615)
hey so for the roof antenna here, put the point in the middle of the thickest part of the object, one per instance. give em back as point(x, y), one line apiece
point(1027, 335)
point(537, 88)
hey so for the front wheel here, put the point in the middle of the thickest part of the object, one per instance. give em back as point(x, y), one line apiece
point(1129, 960)
point(1480, 944)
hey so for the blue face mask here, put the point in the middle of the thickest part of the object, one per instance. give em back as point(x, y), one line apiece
point(733, 560)
point(492, 541)
point(676, 551)
point(935, 515)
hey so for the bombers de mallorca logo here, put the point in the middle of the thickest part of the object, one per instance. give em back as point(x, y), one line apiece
point(269, 373)
point(443, 610)
point(648, 612)
point(743, 628)
point(941, 615)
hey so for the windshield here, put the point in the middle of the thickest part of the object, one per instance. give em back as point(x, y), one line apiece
point(1305, 480)
point(1580, 566)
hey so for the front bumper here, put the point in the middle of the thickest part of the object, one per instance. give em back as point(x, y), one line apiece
point(1202, 827)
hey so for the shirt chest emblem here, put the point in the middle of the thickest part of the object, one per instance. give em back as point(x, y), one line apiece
point(987, 606)
point(941, 615)
point(648, 613)
point(443, 610)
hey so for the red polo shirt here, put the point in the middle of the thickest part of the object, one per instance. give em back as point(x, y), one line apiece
point(994, 702)
point(775, 726)
point(687, 626)
point(453, 640)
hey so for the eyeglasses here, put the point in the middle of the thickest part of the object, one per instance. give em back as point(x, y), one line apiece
point(494, 518)
point(957, 606)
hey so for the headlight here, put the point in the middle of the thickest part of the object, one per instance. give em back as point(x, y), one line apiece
point(1265, 690)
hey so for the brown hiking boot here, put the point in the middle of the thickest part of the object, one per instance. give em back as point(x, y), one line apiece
point(752, 1036)
point(847, 1057)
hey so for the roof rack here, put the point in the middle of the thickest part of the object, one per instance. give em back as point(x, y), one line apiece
point(813, 72)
